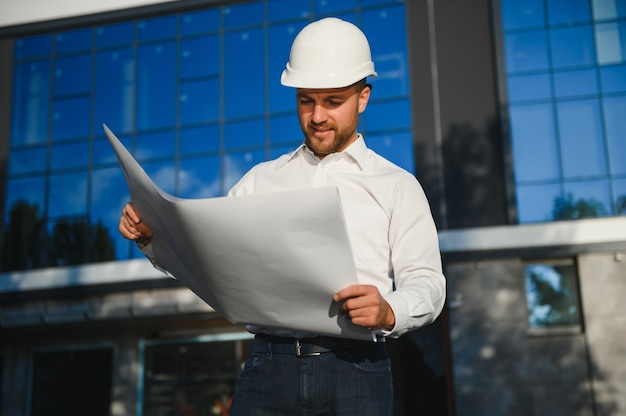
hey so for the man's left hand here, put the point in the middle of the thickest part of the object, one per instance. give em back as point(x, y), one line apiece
point(366, 307)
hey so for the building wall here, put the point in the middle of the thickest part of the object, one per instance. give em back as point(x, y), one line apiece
point(500, 368)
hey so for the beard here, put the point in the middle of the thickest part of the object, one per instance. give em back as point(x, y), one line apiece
point(342, 137)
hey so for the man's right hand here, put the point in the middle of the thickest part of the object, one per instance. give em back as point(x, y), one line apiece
point(131, 226)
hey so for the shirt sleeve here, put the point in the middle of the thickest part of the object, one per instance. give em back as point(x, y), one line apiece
point(420, 286)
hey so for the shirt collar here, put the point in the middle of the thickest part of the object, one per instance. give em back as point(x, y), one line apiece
point(357, 151)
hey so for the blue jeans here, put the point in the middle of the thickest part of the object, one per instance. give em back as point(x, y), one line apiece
point(353, 381)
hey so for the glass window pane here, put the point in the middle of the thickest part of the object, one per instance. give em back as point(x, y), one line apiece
point(244, 134)
point(33, 47)
point(287, 9)
point(386, 31)
point(522, 14)
point(529, 87)
point(611, 43)
point(31, 97)
point(397, 148)
point(114, 90)
point(243, 15)
point(535, 203)
point(199, 101)
point(572, 46)
point(580, 136)
point(29, 160)
point(118, 34)
point(156, 86)
point(573, 83)
point(200, 21)
point(71, 118)
point(568, 11)
point(72, 75)
point(552, 295)
point(244, 77)
point(68, 195)
point(163, 174)
point(157, 28)
point(236, 164)
point(103, 152)
point(109, 194)
point(199, 140)
point(73, 41)
point(280, 39)
point(200, 56)
point(155, 145)
point(388, 115)
point(200, 177)
point(73, 155)
point(285, 129)
point(588, 199)
point(30, 190)
point(613, 78)
point(608, 9)
point(619, 196)
point(526, 51)
point(326, 6)
point(615, 130)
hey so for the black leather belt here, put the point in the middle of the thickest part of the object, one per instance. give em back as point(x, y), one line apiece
point(308, 347)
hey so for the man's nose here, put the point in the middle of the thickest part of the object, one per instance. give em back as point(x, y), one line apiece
point(319, 114)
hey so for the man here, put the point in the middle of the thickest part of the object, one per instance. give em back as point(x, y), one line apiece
point(392, 233)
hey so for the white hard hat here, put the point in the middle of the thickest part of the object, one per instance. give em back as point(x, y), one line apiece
point(328, 53)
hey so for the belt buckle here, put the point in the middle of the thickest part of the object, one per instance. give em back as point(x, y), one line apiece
point(299, 353)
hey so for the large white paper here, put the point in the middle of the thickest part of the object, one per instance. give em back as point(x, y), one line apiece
point(270, 260)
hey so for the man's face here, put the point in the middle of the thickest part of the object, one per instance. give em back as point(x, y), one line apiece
point(329, 117)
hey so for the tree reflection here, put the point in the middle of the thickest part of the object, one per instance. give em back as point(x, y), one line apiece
point(27, 244)
point(566, 208)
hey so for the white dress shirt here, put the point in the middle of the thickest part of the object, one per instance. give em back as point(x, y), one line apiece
point(389, 223)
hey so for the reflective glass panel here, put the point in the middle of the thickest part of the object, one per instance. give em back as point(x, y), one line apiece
point(33, 46)
point(199, 139)
point(114, 90)
point(103, 154)
point(575, 83)
point(67, 156)
point(28, 160)
point(244, 78)
point(200, 56)
point(31, 190)
point(328, 6)
point(388, 115)
point(156, 89)
point(31, 100)
point(522, 14)
point(244, 134)
point(584, 199)
point(615, 130)
point(118, 34)
point(552, 295)
point(280, 39)
point(386, 32)
point(73, 41)
point(155, 145)
point(568, 11)
point(287, 9)
point(613, 78)
point(200, 177)
point(68, 195)
point(199, 101)
point(285, 129)
point(611, 43)
point(572, 46)
point(529, 87)
point(236, 164)
point(157, 28)
point(526, 51)
point(243, 15)
point(608, 9)
point(109, 194)
point(580, 136)
point(200, 21)
point(535, 203)
point(70, 118)
point(72, 75)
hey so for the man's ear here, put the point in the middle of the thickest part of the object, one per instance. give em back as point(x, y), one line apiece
point(364, 97)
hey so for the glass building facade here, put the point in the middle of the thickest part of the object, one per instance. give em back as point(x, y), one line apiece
point(195, 96)
point(565, 64)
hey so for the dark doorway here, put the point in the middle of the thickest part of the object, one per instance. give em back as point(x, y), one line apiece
point(68, 383)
